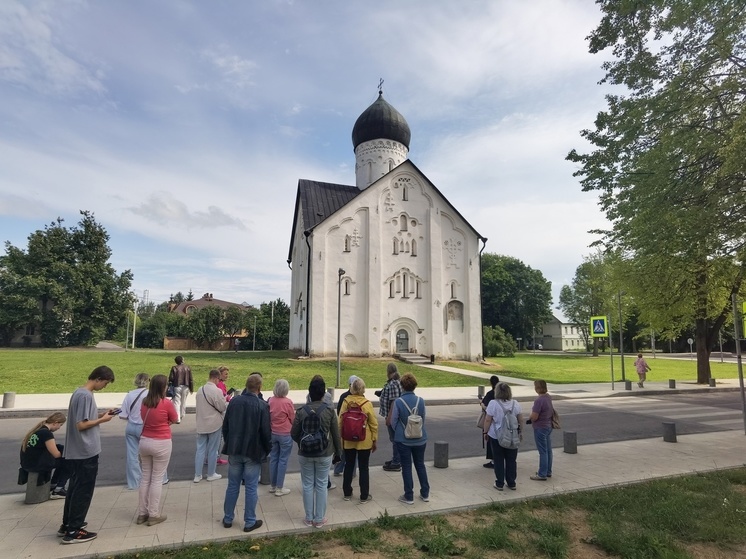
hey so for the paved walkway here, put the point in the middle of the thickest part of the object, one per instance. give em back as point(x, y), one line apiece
point(195, 509)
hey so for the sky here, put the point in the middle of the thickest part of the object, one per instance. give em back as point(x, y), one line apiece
point(184, 126)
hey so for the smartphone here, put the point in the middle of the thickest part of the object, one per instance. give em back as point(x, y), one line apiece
point(231, 391)
point(116, 411)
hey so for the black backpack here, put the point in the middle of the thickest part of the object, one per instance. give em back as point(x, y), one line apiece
point(313, 440)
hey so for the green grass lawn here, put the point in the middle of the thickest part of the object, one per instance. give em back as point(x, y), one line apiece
point(564, 369)
point(40, 371)
point(52, 371)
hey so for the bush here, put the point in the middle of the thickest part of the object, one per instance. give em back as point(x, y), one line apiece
point(498, 342)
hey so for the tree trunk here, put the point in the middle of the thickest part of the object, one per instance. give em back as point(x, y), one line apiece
point(702, 340)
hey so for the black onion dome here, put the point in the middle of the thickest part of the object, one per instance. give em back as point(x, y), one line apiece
point(380, 120)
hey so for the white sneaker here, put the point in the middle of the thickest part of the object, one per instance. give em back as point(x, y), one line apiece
point(280, 491)
point(214, 477)
point(197, 479)
point(272, 488)
point(332, 486)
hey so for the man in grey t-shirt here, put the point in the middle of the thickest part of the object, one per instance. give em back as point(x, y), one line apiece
point(82, 447)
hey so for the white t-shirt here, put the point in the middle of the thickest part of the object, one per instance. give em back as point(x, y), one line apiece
point(496, 410)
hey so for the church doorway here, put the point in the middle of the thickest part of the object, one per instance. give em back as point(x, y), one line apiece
point(402, 341)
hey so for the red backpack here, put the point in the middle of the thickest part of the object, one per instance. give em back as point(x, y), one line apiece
point(354, 422)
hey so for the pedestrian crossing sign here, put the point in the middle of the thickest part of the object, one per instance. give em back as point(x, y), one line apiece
point(599, 327)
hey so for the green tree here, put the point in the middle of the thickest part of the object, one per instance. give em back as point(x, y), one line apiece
point(205, 325)
point(234, 322)
point(497, 342)
point(514, 296)
point(588, 295)
point(81, 297)
point(668, 157)
point(19, 306)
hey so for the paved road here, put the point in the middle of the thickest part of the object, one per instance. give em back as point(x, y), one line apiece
point(595, 420)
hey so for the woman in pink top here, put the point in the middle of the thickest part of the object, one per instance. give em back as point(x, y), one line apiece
point(158, 413)
point(281, 415)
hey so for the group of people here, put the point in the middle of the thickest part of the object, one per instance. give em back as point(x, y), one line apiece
point(252, 430)
point(498, 406)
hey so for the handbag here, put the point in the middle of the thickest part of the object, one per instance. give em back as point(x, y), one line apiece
point(555, 420)
point(480, 421)
point(170, 393)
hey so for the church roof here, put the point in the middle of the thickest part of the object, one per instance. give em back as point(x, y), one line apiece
point(380, 120)
point(318, 200)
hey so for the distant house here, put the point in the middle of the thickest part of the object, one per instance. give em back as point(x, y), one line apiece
point(563, 336)
point(207, 300)
point(188, 307)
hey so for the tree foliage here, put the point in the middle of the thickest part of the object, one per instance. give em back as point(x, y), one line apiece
point(80, 298)
point(668, 159)
point(497, 342)
point(514, 296)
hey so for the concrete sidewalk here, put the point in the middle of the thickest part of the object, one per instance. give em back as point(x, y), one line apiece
point(195, 510)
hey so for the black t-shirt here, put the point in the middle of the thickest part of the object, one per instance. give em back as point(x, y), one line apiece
point(488, 398)
point(37, 458)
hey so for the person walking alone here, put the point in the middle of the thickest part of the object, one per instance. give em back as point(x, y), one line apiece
point(642, 368)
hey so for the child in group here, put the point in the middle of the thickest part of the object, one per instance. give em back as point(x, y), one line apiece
point(40, 453)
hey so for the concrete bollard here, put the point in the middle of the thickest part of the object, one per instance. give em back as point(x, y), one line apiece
point(571, 442)
point(712, 383)
point(480, 392)
point(36, 493)
point(9, 400)
point(264, 475)
point(628, 385)
point(441, 454)
point(669, 431)
point(672, 383)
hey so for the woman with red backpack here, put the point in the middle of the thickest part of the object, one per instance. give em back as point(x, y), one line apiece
point(359, 429)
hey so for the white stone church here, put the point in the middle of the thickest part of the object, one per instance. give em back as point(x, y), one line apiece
point(404, 262)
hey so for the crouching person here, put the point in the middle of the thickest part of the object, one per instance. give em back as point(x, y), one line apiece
point(40, 454)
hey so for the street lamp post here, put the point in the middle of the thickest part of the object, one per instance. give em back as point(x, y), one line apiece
point(340, 273)
point(621, 332)
point(134, 324)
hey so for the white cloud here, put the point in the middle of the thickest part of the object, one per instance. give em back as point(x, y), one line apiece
point(188, 142)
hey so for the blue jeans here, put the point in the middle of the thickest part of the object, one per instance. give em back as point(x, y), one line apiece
point(395, 458)
point(282, 445)
point(314, 475)
point(132, 434)
point(207, 445)
point(408, 455)
point(543, 438)
point(242, 468)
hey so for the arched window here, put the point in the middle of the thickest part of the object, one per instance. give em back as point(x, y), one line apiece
point(391, 166)
point(403, 222)
point(347, 287)
point(370, 172)
point(414, 248)
point(347, 243)
point(401, 245)
point(404, 193)
point(391, 289)
point(406, 246)
point(396, 245)
point(453, 290)
point(418, 294)
point(404, 293)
